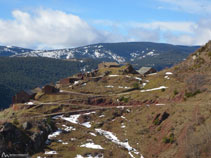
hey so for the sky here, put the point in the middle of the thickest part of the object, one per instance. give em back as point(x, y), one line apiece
point(51, 24)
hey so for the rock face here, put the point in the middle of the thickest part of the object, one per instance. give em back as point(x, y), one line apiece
point(159, 118)
point(15, 141)
point(39, 138)
point(27, 125)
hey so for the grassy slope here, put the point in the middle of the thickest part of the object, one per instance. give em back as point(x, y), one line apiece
point(187, 127)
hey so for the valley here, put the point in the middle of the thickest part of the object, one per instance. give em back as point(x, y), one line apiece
point(114, 111)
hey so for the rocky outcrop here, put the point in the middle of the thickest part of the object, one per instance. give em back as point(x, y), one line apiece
point(39, 138)
point(14, 140)
point(26, 125)
point(159, 118)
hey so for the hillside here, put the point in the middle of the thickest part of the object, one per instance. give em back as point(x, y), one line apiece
point(139, 54)
point(26, 73)
point(95, 114)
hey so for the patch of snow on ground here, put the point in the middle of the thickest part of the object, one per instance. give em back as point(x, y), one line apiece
point(123, 117)
point(64, 143)
point(159, 104)
point(154, 89)
point(98, 54)
point(131, 155)
point(169, 73)
point(110, 136)
point(76, 82)
point(123, 125)
point(166, 77)
point(152, 53)
point(120, 107)
point(87, 124)
point(109, 86)
point(54, 134)
point(68, 129)
point(50, 152)
point(113, 75)
point(90, 156)
point(29, 103)
point(72, 118)
point(152, 74)
point(88, 113)
point(128, 110)
point(137, 78)
point(102, 116)
point(93, 134)
point(144, 84)
point(91, 146)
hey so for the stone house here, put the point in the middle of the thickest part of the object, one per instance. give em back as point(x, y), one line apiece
point(48, 89)
point(69, 80)
point(146, 70)
point(22, 97)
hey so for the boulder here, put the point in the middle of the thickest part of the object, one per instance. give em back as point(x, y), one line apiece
point(27, 125)
point(13, 140)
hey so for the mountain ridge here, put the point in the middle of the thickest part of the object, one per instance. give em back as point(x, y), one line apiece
point(139, 54)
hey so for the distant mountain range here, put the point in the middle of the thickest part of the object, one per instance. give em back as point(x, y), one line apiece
point(139, 54)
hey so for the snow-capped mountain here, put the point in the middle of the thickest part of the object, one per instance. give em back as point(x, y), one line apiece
point(92, 51)
point(146, 53)
point(11, 50)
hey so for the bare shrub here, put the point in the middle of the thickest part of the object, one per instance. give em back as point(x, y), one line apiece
point(195, 83)
point(198, 145)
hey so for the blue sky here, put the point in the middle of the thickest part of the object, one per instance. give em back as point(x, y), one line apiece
point(47, 24)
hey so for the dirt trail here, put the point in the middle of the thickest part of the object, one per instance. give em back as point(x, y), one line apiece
point(81, 111)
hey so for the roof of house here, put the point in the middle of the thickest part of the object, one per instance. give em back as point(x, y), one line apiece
point(143, 70)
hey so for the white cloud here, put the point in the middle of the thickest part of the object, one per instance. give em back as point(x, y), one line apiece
point(57, 29)
point(200, 34)
point(47, 29)
point(142, 34)
point(166, 26)
point(189, 6)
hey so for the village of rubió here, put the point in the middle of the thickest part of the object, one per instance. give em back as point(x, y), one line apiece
point(105, 79)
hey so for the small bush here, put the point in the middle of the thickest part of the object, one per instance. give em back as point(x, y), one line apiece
point(209, 54)
point(15, 122)
point(169, 139)
point(165, 140)
point(50, 122)
point(163, 90)
point(156, 122)
point(124, 99)
point(192, 94)
point(176, 92)
point(159, 128)
point(198, 62)
point(136, 85)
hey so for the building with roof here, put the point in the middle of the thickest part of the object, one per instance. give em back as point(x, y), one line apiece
point(22, 97)
point(146, 70)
